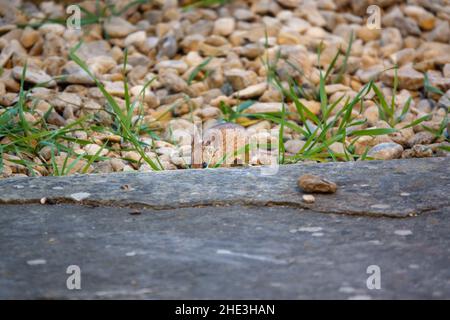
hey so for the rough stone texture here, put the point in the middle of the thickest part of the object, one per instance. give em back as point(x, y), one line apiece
point(217, 253)
point(370, 188)
point(216, 235)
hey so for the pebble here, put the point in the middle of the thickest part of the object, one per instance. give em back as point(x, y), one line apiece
point(73, 74)
point(173, 82)
point(251, 91)
point(137, 38)
point(165, 43)
point(309, 198)
point(311, 105)
point(408, 78)
point(425, 19)
point(418, 151)
point(34, 76)
point(440, 33)
point(265, 107)
point(372, 115)
point(404, 56)
point(444, 101)
point(224, 26)
point(240, 79)
point(117, 27)
point(29, 37)
point(294, 146)
point(167, 47)
point(177, 65)
point(446, 70)
point(99, 48)
point(94, 149)
point(338, 148)
point(386, 151)
point(421, 138)
point(315, 184)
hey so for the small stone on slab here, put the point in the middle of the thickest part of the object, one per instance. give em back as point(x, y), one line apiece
point(316, 184)
point(309, 198)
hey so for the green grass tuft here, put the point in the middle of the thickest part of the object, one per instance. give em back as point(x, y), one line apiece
point(124, 119)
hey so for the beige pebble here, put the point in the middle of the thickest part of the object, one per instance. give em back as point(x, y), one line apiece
point(315, 184)
point(309, 198)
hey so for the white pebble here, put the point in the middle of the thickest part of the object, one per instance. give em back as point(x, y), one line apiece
point(309, 198)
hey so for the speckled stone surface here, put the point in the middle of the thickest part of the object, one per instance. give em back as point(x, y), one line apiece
point(230, 234)
point(396, 188)
point(233, 252)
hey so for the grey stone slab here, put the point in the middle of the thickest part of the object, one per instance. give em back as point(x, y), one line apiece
point(396, 188)
point(226, 252)
point(230, 233)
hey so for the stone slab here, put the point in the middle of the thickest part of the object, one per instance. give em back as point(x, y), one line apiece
point(398, 188)
point(229, 234)
point(226, 252)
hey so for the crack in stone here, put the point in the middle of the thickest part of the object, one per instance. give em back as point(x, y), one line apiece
point(247, 203)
